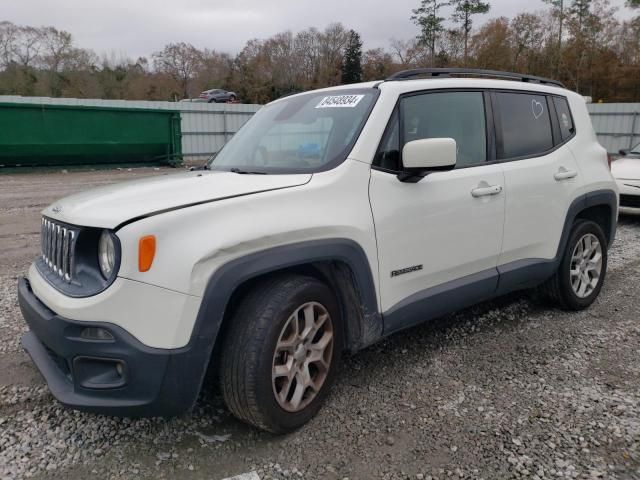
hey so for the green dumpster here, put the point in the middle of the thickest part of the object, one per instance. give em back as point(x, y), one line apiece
point(43, 135)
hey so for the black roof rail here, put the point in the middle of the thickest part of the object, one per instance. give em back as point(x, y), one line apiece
point(448, 72)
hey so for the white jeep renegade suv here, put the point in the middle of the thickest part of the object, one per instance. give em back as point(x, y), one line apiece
point(332, 219)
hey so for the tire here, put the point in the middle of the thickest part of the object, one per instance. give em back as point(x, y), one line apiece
point(561, 288)
point(213, 100)
point(263, 321)
point(233, 98)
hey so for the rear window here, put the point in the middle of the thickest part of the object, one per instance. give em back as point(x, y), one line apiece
point(525, 124)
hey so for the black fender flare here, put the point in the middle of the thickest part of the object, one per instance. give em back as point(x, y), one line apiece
point(226, 279)
point(231, 275)
point(607, 198)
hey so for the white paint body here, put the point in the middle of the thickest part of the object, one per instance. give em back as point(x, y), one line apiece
point(626, 171)
point(437, 222)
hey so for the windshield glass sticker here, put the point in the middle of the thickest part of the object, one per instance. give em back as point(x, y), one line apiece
point(342, 101)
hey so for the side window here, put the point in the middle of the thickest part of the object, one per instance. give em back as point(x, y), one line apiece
point(564, 117)
point(526, 124)
point(388, 156)
point(457, 115)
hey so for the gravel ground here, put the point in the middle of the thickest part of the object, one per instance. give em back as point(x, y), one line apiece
point(508, 389)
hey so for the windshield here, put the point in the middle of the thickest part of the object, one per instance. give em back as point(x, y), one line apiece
point(305, 133)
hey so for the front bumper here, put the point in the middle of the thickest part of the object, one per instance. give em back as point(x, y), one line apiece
point(629, 196)
point(119, 377)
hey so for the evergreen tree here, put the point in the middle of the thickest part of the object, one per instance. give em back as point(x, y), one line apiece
point(431, 24)
point(352, 60)
point(581, 10)
point(463, 13)
point(559, 9)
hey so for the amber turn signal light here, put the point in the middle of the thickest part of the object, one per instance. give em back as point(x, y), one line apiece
point(146, 252)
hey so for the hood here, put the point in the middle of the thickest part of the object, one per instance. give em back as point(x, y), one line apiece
point(626, 168)
point(112, 205)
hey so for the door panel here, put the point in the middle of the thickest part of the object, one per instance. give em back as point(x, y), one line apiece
point(539, 192)
point(436, 224)
point(540, 182)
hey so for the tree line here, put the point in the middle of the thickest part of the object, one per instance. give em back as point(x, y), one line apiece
point(580, 42)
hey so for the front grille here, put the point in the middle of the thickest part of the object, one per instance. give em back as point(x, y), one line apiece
point(58, 243)
point(631, 201)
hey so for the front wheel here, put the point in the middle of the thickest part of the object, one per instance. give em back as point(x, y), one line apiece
point(281, 352)
point(580, 275)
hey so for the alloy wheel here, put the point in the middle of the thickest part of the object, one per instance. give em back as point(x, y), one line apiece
point(302, 356)
point(586, 265)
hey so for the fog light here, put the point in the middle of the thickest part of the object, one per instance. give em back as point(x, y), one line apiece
point(99, 373)
point(96, 333)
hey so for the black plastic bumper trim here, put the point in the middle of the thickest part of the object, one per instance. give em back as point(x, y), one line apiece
point(158, 382)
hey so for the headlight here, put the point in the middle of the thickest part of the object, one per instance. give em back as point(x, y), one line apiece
point(106, 254)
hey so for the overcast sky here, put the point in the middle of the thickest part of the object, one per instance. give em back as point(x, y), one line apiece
point(139, 27)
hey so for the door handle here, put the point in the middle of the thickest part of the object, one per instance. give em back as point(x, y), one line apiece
point(486, 191)
point(564, 174)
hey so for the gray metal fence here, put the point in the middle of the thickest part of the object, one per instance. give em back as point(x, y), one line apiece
point(616, 124)
point(207, 127)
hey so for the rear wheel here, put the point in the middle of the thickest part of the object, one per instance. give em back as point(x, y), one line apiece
point(579, 278)
point(281, 352)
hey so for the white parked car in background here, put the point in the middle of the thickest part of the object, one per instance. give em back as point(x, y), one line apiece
point(332, 219)
point(626, 171)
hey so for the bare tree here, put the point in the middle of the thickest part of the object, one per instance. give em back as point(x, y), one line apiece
point(8, 43)
point(181, 61)
point(28, 45)
point(376, 64)
point(406, 51)
point(56, 48)
point(333, 41)
point(307, 48)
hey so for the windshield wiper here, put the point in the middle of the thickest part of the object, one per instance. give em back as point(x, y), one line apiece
point(245, 172)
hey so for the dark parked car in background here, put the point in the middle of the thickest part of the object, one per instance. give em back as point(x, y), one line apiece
point(218, 96)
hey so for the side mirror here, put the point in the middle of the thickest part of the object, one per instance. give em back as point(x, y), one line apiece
point(421, 157)
point(624, 152)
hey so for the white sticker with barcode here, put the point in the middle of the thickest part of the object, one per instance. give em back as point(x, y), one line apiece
point(341, 101)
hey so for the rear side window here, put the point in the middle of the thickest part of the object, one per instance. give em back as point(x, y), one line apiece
point(564, 117)
point(525, 124)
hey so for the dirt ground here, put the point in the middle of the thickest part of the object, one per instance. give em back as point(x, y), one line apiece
point(508, 389)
